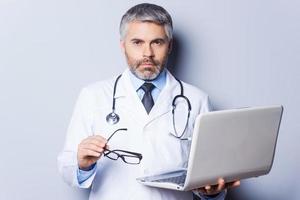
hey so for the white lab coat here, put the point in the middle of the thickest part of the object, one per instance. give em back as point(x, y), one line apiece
point(147, 134)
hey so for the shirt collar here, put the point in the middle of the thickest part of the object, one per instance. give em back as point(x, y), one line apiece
point(159, 82)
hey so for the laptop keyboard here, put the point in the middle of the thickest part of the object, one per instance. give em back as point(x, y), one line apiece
point(176, 179)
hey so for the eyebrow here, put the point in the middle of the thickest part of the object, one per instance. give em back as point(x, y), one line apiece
point(154, 40)
point(136, 39)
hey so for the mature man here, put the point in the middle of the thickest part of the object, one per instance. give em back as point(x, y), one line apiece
point(122, 128)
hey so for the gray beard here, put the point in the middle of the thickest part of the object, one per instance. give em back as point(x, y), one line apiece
point(141, 76)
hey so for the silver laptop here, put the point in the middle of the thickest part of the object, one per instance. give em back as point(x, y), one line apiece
point(232, 144)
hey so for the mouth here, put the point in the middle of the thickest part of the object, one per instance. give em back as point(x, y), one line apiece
point(148, 64)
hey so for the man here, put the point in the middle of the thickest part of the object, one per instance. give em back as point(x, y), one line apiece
point(120, 129)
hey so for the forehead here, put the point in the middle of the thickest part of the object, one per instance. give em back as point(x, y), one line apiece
point(145, 30)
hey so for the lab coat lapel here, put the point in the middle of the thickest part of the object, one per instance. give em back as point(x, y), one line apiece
point(129, 100)
point(163, 103)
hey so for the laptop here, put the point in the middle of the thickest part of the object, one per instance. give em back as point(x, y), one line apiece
point(233, 144)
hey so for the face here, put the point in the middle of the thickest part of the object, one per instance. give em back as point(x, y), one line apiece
point(146, 48)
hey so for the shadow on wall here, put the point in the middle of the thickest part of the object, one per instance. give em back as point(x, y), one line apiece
point(176, 56)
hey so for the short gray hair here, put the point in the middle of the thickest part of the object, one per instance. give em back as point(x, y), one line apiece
point(146, 12)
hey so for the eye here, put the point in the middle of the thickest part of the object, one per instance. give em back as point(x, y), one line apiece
point(158, 42)
point(137, 42)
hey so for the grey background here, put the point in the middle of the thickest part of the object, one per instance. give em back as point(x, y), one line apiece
point(242, 53)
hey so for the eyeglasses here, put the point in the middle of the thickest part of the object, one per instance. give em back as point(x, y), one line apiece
point(128, 157)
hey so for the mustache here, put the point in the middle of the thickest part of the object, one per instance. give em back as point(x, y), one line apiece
point(147, 61)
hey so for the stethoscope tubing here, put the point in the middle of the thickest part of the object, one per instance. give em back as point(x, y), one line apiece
point(114, 118)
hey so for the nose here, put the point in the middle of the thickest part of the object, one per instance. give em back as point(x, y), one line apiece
point(148, 51)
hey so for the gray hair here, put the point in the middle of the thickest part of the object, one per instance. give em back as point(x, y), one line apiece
point(146, 12)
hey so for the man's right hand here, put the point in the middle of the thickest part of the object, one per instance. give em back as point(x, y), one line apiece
point(90, 150)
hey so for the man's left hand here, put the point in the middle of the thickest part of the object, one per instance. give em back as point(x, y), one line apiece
point(211, 190)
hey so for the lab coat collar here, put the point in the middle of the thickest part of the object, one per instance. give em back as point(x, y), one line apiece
point(162, 105)
point(123, 86)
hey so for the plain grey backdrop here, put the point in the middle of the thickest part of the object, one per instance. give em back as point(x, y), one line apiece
point(242, 53)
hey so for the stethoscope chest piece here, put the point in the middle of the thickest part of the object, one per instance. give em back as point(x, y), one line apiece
point(112, 118)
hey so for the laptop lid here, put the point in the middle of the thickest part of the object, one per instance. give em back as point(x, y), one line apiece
point(233, 144)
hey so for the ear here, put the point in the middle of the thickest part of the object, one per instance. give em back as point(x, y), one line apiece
point(122, 45)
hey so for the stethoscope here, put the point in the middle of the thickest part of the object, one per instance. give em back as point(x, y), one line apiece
point(113, 118)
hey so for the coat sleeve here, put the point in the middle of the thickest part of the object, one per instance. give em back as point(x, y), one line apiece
point(220, 196)
point(205, 106)
point(79, 128)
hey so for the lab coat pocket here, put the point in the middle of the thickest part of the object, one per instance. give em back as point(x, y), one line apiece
point(168, 151)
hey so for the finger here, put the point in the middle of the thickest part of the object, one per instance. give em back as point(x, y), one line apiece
point(95, 140)
point(221, 185)
point(213, 189)
point(236, 184)
point(233, 184)
point(207, 187)
point(92, 147)
point(100, 138)
point(88, 152)
point(95, 137)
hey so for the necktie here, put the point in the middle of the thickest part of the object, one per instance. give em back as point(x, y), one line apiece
point(147, 98)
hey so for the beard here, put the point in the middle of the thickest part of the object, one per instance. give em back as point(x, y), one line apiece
point(148, 73)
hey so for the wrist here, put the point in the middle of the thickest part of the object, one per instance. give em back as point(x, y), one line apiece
point(87, 168)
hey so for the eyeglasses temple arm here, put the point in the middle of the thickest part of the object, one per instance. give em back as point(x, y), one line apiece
point(120, 129)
